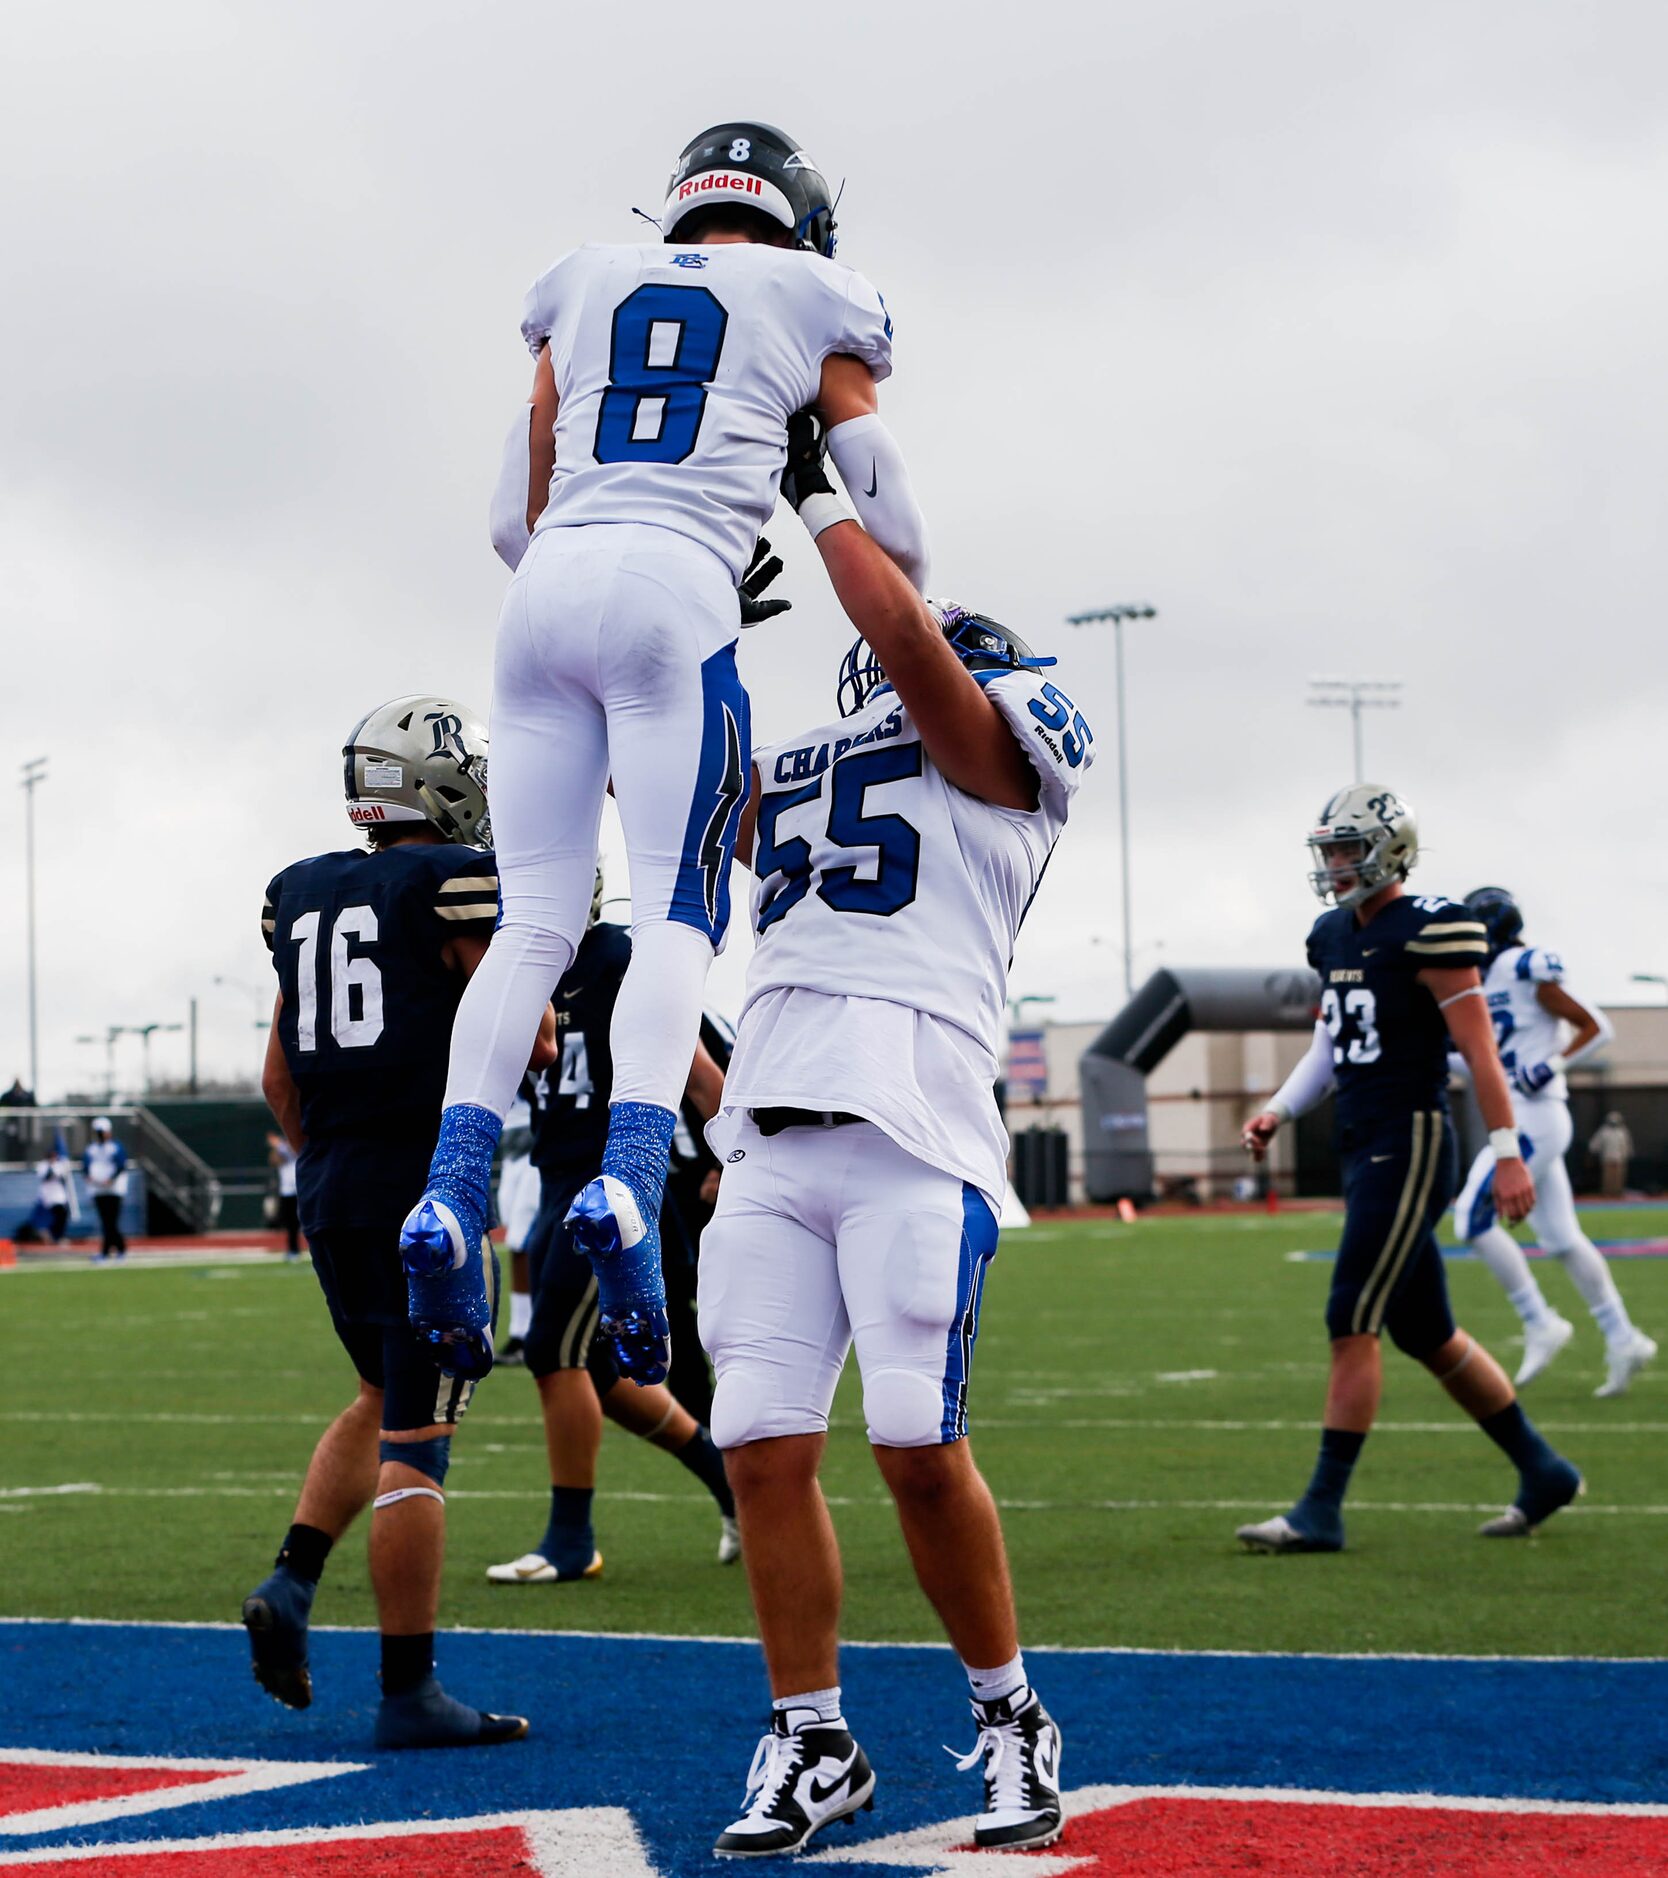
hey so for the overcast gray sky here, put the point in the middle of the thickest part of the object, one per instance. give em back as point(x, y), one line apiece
point(1335, 333)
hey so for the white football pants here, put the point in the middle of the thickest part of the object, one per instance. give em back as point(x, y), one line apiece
point(1547, 1128)
point(823, 1237)
point(615, 660)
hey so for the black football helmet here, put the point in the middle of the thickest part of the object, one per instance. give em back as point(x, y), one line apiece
point(1500, 914)
point(980, 643)
point(752, 166)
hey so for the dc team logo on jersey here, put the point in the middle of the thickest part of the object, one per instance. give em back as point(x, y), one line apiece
point(689, 260)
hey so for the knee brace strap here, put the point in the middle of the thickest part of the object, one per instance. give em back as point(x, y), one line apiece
point(1448, 1375)
point(430, 1458)
point(408, 1493)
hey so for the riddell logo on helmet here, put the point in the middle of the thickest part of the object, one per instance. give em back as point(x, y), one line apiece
point(367, 812)
point(732, 180)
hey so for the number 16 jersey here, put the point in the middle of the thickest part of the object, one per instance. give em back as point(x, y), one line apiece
point(1389, 1040)
point(677, 370)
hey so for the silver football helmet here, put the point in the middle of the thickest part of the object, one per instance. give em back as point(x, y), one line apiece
point(1365, 838)
point(420, 759)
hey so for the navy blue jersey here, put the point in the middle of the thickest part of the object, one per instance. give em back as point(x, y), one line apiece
point(1389, 1040)
point(570, 1099)
point(368, 1001)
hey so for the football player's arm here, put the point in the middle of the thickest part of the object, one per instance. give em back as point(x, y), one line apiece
point(705, 1088)
point(1458, 991)
point(1308, 1084)
point(278, 1085)
point(967, 738)
point(1593, 1030)
point(462, 954)
point(871, 465)
point(523, 487)
point(747, 827)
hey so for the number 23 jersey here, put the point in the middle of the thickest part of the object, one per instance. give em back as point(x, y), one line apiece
point(886, 903)
point(677, 370)
point(1389, 1040)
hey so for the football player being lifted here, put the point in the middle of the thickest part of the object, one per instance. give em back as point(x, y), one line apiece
point(1399, 977)
point(372, 949)
point(895, 854)
point(644, 467)
point(1530, 1005)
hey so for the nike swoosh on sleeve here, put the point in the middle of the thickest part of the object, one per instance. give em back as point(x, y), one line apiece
point(874, 478)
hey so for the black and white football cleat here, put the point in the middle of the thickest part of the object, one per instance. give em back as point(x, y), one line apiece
point(798, 1783)
point(1020, 1750)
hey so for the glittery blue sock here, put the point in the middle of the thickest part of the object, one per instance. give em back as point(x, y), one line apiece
point(639, 1146)
point(461, 1170)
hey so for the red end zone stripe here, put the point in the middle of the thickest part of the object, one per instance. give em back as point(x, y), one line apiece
point(1176, 1838)
point(27, 1788)
point(498, 1852)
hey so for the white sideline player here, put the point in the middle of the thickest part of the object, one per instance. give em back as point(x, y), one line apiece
point(1529, 1004)
point(650, 459)
point(896, 853)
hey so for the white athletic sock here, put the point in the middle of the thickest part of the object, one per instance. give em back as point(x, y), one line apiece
point(521, 1313)
point(1591, 1277)
point(1502, 1254)
point(657, 1016)
point(818, 1708)
point(992, 1685)
point(498, 1017)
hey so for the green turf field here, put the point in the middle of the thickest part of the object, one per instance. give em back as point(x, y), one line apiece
point(1139, 1391)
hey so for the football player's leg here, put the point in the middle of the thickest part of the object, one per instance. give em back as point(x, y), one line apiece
point(1545, 1332)
point(549, 775)
point(422, 1407)
point(680, 747)
point(341, 1477)
point(1558, 1229)
point(915, 1245)
point(558, 1346)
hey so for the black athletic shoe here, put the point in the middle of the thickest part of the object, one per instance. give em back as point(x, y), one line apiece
point(513, 1355)
point(1021, 1755)
point(275, 1614)
point(427, 1717)
point(798, 1783)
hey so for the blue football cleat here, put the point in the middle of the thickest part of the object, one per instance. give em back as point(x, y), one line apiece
point(450, 1279)
point(275, 1614)
point(427, 1717)
point(624, 1250)
point(1291, 1532)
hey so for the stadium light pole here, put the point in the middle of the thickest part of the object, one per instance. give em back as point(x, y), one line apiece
point(1016, 1006)
point(144, 1032)
point(34, 774)
point(1355, 695)
point(1099, 616)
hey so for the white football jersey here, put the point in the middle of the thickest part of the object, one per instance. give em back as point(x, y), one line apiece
point(677, 370)
point(1524, 1030)
point(887, 902)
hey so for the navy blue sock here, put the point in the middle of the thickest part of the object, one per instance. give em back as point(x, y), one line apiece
point(568, 1541)
point(706, 1463)
point(1513, 1432)
point(406, 1662)
point(304, 1551)
point(1340, 1449)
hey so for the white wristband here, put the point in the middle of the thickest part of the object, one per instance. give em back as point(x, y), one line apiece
point(1505, 1144)
point(1274, 1106)
point(821, 511)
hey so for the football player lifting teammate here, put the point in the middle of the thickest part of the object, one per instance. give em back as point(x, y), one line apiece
point(1399, 977)
point(634, 491)
point(372, 949)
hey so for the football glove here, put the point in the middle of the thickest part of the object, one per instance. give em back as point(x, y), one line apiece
point(804, 473)
point(761, 571)
point(1532, 1078)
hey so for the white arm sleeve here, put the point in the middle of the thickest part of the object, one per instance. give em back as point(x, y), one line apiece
point(872, 468)
point(508, 516)
point(1310, 1082)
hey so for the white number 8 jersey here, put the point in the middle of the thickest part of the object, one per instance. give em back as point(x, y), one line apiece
point(677, 370)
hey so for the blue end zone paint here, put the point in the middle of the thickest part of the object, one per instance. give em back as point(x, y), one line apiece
point(666, 1727)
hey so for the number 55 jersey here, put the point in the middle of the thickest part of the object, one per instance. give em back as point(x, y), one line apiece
point(886, 903)
point(677, 370)
point(1389, 1040)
